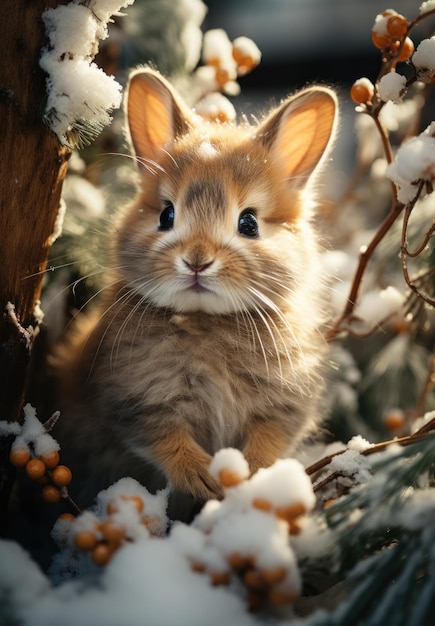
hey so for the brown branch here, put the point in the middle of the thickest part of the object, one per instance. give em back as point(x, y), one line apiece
point(319, 465)
point(404, 252)
point(364, 259)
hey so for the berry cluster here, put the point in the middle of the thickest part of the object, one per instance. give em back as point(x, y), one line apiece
point(246, 536)
point(389, 34)
point(124, 518)
point(44, 469)
point(224, 61)
point(229, 59)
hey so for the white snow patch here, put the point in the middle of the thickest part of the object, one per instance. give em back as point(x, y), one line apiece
point(79, 94)
point(376, 306)
point(229, 459)
point(429, 5)
point(392, 86)
point(351, 463)
point(415, 160)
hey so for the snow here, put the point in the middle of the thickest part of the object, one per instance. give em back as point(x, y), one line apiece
point(414, 161)
point(392, 86)
point(359, 444)
point(217, 50)
point(146, 582)
point(351, 463)
point(283, 484)
point(9, 428)
point(216, 106)
point(31, 432)
point(424, 60)
point(191, 37)
point(22, 581)
point(429, 5)
point(231, 460)
point(424, 56)
point(79, 94)
point(380, 25)
point(167, 579)
point(375, 306)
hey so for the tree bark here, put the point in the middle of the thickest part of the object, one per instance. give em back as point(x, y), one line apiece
point(33, 166)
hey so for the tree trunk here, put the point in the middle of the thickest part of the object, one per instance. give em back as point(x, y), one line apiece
point(33, 166)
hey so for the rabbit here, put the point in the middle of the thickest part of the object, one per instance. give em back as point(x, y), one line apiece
point(209, 329)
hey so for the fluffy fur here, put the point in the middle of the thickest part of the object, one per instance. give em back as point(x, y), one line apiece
point(206, 336)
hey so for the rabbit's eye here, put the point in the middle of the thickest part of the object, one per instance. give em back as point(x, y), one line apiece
point(167, 216)
point(248, 224)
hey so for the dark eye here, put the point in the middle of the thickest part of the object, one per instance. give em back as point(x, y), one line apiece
point(167, 216)
point(248, 225)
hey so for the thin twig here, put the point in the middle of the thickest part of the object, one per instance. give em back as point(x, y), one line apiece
point(377, 447)
point(364, 259)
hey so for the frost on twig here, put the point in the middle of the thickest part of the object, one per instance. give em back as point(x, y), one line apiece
point(79, 94)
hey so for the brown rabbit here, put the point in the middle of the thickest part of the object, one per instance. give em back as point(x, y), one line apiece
point(208, 334)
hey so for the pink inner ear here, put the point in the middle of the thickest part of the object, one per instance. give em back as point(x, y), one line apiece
point(296, 142)
point(304, 125)
point(149, 108)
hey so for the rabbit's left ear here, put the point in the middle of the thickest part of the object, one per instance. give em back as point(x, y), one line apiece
point(300, 131)
point(156, 115)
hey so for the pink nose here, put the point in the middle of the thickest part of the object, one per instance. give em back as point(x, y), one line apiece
point(197, 267)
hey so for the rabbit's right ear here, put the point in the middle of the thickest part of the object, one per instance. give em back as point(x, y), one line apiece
point(155, 114)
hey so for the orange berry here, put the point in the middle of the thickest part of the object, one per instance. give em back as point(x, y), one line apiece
point(362, 91)
point(394, 419)
point(137, 501)
point(406, 51)
point(262, 504)
point(85, 540)
point(196, 566)
point(61, 475)
point(397, 25)
point(19, 457)
point(101, 554)
point(294, 528)
point(222, 76)
point(51, 494)
point(35, 469)
point(67, 517)
point(229, 478)
point(220, 578)
point(239, 561)
point(112, 532)
point(214, 61)
point(244, 62)
point(50, 459)
point(291, 512)
point(274, 575)
point(113, 506)
point(380, 40)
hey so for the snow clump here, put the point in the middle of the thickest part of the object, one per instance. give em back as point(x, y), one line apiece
point(79, 94)
point(414, 162)
point(392, 86)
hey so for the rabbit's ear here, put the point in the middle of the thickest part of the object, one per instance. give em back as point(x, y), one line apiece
point(299, 132)
point(155, 114)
